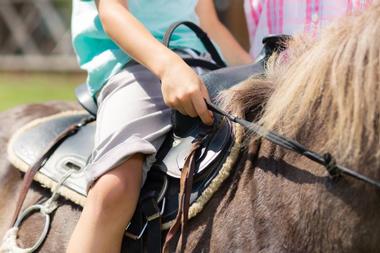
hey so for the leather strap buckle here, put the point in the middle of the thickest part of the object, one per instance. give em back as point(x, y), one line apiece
point(157, 214)
point(137, 236)
point(134, 236)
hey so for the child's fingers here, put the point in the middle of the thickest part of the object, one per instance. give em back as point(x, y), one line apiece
point(179, 108)
point(201, 109)
point(189, 108)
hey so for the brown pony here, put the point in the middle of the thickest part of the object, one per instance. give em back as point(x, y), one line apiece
point(326, 95)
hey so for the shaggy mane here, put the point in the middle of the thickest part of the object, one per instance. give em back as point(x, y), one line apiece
point(325, 92)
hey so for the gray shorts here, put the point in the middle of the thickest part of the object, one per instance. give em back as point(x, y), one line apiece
point(132, 118)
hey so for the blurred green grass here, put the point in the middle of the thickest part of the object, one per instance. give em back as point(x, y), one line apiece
point(24, 88)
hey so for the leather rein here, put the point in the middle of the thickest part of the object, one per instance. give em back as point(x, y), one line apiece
point(327, 160)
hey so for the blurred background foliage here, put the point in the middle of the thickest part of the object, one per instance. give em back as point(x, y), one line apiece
point(37, 62)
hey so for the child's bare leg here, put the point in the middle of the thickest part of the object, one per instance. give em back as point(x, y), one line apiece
point(110, 205)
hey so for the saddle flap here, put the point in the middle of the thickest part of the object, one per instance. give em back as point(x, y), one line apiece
point(30, 142)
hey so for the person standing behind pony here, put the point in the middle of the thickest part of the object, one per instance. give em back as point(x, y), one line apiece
point(266, 17)
point(134, 97)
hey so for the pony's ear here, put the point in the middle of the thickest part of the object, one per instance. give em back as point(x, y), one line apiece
point(248, 98)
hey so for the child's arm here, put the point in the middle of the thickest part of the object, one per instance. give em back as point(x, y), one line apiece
point(209, 21)
point(182, 89)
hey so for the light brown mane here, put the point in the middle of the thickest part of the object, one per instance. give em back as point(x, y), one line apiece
point(330, 89)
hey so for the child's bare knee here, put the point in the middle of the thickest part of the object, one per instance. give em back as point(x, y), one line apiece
point(110, 193)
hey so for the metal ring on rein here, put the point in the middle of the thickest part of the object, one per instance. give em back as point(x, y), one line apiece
point(27, 212)
point(9, 243)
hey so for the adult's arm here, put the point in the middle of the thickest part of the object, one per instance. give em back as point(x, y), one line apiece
point(210, 23)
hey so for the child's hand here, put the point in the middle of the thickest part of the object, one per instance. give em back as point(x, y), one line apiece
point(184, 91)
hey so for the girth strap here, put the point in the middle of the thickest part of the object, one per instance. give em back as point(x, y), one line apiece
point(145, 235)
point(144, 232)
point(151, 211)
point(132, 242)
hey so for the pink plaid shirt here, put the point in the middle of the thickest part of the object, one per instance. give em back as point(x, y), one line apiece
point(266, 17)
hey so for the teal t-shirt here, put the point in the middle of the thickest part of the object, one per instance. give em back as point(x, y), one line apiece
point(102, 58)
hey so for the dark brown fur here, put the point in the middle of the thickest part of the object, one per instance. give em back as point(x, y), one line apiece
point(273, 202)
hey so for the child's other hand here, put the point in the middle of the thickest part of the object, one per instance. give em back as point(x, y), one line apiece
point(184, 91)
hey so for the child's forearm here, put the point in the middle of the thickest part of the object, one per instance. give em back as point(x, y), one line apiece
point(134, 38)
point(181, 88)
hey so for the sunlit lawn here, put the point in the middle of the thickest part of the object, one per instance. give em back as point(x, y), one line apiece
point(23, 88)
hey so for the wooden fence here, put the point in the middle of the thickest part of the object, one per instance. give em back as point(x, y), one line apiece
point(35, 34)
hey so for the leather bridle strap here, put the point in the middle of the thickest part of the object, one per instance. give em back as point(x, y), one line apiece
point(32, 171)
point(326, 160)
point(186, 182)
